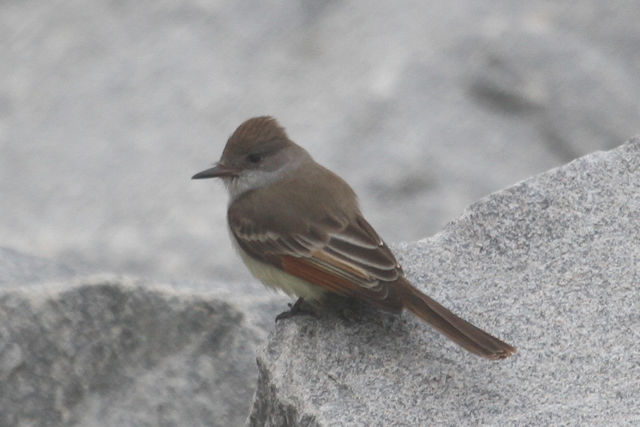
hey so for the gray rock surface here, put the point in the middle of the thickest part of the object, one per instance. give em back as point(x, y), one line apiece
point(107, 108)
point(551, 264)
point(114, 352)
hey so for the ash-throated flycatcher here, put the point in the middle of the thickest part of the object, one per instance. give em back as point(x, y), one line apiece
point(298, 227)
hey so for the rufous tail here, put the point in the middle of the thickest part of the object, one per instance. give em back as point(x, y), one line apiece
point(458, 330)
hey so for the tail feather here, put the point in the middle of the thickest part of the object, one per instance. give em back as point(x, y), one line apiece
point(455, 328)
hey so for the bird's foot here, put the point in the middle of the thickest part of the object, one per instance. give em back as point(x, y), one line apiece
point(297, 308)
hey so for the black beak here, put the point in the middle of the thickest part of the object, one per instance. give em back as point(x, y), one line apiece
point(217, 171)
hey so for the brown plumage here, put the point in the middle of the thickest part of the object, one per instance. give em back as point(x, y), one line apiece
point(324, 240)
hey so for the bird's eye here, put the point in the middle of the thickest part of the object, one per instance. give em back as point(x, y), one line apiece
point(254, 157)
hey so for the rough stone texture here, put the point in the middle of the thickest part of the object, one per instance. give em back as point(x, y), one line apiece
point(551, 264)
point(116, 352)
point(108, 107)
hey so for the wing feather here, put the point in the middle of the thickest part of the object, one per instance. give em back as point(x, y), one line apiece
point(342, 256)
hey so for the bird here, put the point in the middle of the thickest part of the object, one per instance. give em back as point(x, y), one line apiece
point(299, 228)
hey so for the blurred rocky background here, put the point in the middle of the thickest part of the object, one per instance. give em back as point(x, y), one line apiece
point(107, 108)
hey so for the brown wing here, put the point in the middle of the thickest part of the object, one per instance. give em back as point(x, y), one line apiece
point(344, 256)
point(326, 241)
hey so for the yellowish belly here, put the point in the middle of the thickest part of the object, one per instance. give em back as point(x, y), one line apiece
point(277, 279)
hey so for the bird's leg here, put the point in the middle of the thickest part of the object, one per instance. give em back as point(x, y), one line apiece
point(299, 307)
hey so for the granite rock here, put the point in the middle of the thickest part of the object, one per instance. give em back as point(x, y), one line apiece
point(550, 264)
point(112, 351)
